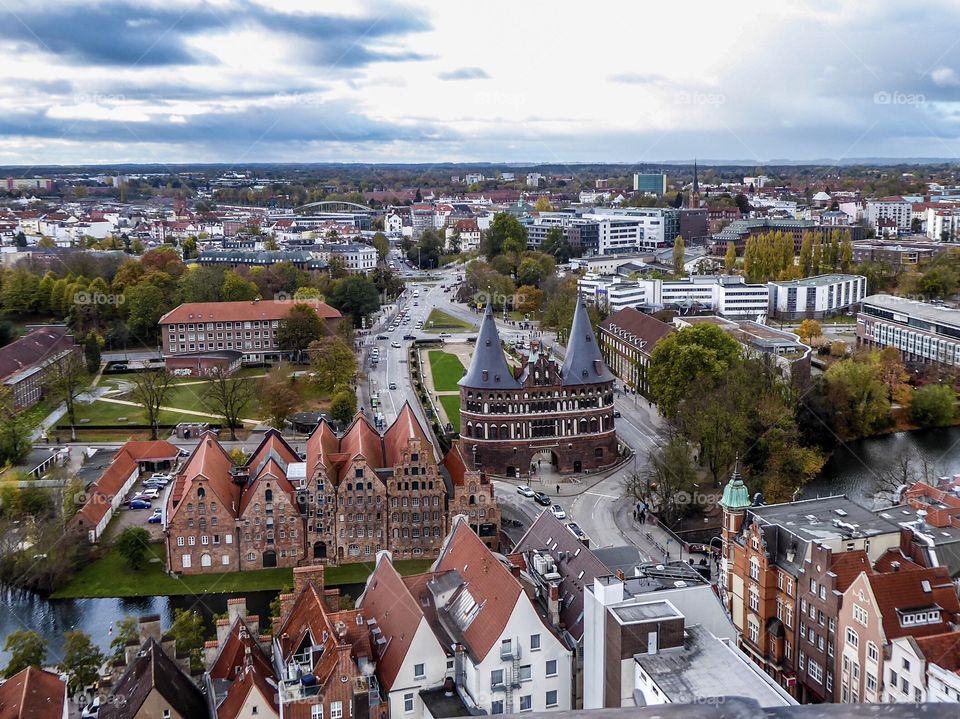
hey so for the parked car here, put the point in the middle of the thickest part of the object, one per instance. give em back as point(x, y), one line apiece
point(444, 334)
point(183, 452)
point(525, 490)
point(392, 385)
point(91, 710)
point(616, 413)
point(382, 337)
point(395, 344)
point(557, 511)
point(150, 493)
point(409, 337)
point(575, 528)
point(140, 504)
point(156, 517)
point(120, 367)
point(541, 499)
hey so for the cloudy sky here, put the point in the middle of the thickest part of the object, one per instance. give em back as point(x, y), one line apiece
point(241, 81)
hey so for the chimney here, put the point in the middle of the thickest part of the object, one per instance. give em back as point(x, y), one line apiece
point(286, 604)
point(150, 628)
point(236, 609)
point(223, 628)
point(209, 652)
point(304, 575)
point(130, 651)
point(620, 575)
point(553, 604)
point(894, 566)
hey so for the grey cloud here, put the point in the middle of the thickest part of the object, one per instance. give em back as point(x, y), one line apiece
point(464, 73)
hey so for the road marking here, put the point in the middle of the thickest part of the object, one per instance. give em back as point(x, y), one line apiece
point(598, 494)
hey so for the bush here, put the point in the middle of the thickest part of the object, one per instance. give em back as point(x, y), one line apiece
point(933, 406)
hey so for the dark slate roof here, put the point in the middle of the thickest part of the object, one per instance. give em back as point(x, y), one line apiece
point(38, 347)
point(583, 363)
point(488, 355)
point(153, 669)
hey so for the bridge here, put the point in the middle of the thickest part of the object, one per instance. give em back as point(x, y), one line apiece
point(336, 206)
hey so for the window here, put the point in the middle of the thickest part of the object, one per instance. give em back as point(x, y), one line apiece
point(754, 599)
point(496, 707)
point(179, 541)
point(815, 671)
point(336, 710)
point(871, 682)
point(551, 698)
point(853, 638)
point(534, 642)
point(526, 674)
point(551, 667)
point(859, 614)
point(526, 703)
point(506, 648)
point(496, 677)
point(893, 678)
point(872, 653)
point(408, 703)
point(316, 711)
point(754, 631)
point(166, 714)
point(418, 671)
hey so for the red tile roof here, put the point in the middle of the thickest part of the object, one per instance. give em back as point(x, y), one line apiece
point(905, 591)
point(398, 436)
point(884, 563)
point(211, 461)
point(455, 465)
point(848, 566)
point(942, 650)
point(152, 450)
point(397, 612)
point(250, 680)
point(102, 492)
point(241, 311)
point(489, 582)
point(32, 694)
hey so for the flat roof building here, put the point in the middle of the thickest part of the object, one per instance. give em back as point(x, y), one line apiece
point(922, 332)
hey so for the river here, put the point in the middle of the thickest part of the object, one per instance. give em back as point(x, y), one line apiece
point(852, 469)
point(52, 617)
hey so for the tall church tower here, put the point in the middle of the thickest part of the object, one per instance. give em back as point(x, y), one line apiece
point(695, 191)
point(735, 502)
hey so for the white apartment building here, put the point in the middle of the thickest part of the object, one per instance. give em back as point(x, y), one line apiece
point(943, 223)
point(356, 257)
point(897, 209)
point(534, 179)
point(726, 295)
point(816, 297)
point(485, 641)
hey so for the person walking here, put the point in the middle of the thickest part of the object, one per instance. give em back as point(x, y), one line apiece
point(558, 489)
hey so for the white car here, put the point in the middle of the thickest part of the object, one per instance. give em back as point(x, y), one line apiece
point(557, 511)
point(395, 344)
point(151, 493)
point(525, 490)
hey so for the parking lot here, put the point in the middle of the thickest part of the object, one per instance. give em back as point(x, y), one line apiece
point(126, 517)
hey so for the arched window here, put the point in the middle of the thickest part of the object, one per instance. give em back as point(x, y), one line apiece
point(268, 495)
point(201, 492)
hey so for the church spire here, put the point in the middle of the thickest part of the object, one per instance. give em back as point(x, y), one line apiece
point(489, 368)
point(695, 190)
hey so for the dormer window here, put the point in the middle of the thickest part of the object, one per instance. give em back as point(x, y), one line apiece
point(486, 375)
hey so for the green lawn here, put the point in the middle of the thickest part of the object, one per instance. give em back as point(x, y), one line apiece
point(111, 577)
point(439, 321)
point(446, 370)
point(109, 413)
point(451, 405)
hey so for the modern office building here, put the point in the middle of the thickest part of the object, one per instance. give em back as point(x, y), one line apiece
point(923, 332)
point(816, 297)
point(654, 183)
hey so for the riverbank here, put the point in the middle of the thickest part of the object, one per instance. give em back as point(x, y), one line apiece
point(111, 577)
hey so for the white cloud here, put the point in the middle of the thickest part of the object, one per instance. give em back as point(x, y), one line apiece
point(945, 77)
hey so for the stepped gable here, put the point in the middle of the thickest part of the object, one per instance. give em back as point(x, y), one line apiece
point(398, 436)
point(361, 438)
point(488, 367)
point(583, 363)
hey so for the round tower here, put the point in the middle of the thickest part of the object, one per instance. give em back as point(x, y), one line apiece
point(734, 502)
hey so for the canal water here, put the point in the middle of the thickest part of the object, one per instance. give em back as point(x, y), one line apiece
point(52, 617)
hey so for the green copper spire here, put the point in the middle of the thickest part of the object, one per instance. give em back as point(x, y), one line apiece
point(736, 497)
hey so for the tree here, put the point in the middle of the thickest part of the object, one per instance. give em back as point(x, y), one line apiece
point(67, 381)
point(505, 234)
point(678, 251)
point(230, 396)
point(743, 204)
point(426, 253)
point(145, 304)
point(683, 358)
point(127, 630)
point(81, 661)
point(669, 482)
point(132, 544)
point(201, 284)
point(150, 389)
point(355, 296)
point(15, 430)
point(528, 299)
point(730, 259)
point(189, 248)
point(163, 259)
point(556, 245)
point(933, 406)
point(27, 649)
point(860, 400)
point(20, 291)
point(542, 204)
point(333, 362)
point(343, 406)
point(91, 353)
point(187, 630)
point(236, 289)
point(809, 329)
point(277, 398)
point(382, 245)
point(299, 328)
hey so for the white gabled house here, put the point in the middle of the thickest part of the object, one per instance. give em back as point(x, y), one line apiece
point(466, 633)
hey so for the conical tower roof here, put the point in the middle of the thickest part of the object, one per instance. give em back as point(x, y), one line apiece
point(583, 363)
point(489, 368)
point(736, 496)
